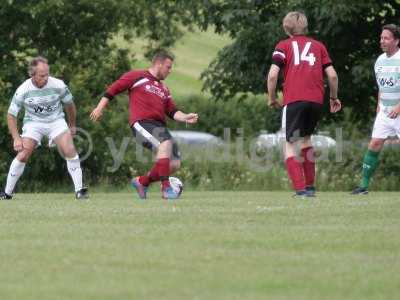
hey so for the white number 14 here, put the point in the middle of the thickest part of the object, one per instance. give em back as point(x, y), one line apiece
point(304, 56)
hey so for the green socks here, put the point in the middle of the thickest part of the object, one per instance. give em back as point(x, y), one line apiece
point(369, 166)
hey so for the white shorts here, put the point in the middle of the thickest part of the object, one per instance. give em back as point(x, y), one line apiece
point(37, 130)
point(385, 126)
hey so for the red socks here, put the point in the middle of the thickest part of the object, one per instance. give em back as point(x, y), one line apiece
point(152, 176)
point(295, 173)
point(160, 171)
point(163, 171)
point(302, 174)
point(308, 165)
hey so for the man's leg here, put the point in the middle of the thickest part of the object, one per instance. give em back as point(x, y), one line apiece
point(294, 167)
point(155, 136)
point(18, 165)
point(308, 162)
point(174, 165)
point(383, 127)
point(153, 176)
point(160, 171)
point(371, 161)
point(66, 147)
point(295, 122)
point(311, 119)
point(164, 152)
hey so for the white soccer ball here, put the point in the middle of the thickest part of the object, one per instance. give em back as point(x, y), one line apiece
point(176, 185)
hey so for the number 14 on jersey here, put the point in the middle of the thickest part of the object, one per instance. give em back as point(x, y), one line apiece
point(304, 56)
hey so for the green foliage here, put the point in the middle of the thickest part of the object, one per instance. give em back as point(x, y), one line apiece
point(250, 115)
point(350, 31)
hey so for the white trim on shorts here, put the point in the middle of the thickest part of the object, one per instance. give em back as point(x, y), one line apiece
point(139, 128)
point(283, 124)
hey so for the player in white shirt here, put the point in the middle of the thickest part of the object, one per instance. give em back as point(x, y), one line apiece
point(387, 122)
point(43, 98)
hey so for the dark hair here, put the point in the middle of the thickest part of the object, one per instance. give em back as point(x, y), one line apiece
point(394, 29)
point(162, 55)
point(34, 62)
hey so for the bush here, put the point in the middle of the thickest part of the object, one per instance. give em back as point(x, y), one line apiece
point(250, 114)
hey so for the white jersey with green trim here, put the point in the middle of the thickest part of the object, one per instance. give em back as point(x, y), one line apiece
point(41, 104)
point(387, 73)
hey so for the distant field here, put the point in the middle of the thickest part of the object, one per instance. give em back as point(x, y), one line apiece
point(212, 245)
point(193, 54)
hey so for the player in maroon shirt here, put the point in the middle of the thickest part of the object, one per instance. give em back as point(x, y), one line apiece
point(304, 61)
point(149, 102)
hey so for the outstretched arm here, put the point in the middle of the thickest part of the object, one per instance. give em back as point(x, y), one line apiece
point(97, 113)
point(120, 85)
point(190, 118)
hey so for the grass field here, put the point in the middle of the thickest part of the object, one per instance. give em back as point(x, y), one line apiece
point(212, 245)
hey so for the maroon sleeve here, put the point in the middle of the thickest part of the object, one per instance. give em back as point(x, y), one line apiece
point(122, 84)
point(279, 55)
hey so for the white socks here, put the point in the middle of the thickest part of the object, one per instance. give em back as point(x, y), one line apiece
point(17, 168)
point(74, 169)
point(15, 172)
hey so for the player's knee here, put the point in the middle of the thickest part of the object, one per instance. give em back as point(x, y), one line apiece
point(376, 145)
point(68, 150)
point(165, 147)
point(24, 155)
point(71, 152)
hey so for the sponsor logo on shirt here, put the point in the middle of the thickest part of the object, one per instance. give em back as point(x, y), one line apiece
point(41, 109)
point(155, 90)
point(387, 81)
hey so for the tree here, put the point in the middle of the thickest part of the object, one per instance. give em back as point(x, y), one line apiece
point(349, 30)
point(71, 33)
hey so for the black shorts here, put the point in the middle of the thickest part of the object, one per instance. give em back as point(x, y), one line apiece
point(150, 134)
point(300, 119)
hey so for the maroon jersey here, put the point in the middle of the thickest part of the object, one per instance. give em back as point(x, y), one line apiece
point(149, 98)
point(303, 60)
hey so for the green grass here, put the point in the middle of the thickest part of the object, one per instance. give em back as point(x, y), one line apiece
point(193, 52)
point(212, 245)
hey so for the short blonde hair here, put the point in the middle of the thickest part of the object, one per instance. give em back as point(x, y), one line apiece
point(295, 23)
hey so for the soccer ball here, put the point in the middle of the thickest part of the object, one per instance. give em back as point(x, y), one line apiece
point(176, 185)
